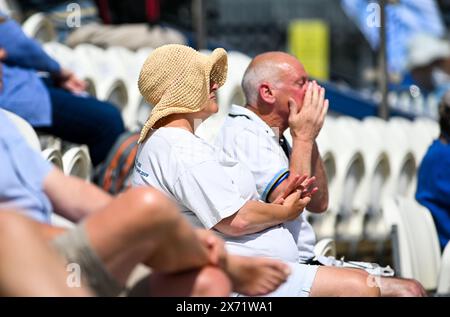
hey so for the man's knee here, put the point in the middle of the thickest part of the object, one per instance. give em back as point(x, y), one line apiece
point(149, 204)
point(366, 284)
point(212, 281)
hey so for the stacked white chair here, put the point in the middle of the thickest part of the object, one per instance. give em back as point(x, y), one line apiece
point(401, 157)
point(401, 244)
point(423, 242)
point(377, 174)
point(76, 162)
point(444, 275)
point(325, 247)
point(138, 110)
point(399, 145)
point(425, 131)
point(68, 59)
point(127, 71)
point(418, 245)
point(350, 170)
point(25, 129)
point(54, 156)
point(108, 85)
point(39, 27)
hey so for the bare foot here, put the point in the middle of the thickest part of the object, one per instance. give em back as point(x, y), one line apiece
point(253, 276)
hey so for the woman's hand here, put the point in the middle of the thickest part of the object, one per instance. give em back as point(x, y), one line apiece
point(66, 79)
point(295, 204)
point(304, 184)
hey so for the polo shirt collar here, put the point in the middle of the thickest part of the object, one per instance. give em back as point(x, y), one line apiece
point(243, 111)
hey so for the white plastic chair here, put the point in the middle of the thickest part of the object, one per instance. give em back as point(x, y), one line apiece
point(401, 245)
point(444, 275)
point(25, 129)
point(378, 172)
point(39, 27)
point(53, 156)
point(423, 242)
point(424, 132)
point(325, 247)
point(68, 59)
point(402, 161)
point(10, 7)
point(108, 85)
point(350, 170)
point(417, 241)
point(137, 110)
point(325, 223)
point(76, 162)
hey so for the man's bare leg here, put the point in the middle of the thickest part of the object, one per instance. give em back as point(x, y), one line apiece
point(148, 228)
point(342, 282)
point(29, 266)
point(398, 287)
point(144, 226)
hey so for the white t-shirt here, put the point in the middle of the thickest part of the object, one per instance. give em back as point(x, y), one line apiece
point(208, 187)
point(247, 138)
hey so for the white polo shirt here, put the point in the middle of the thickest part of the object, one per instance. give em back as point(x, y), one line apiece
point(247, 138)
point(208, 187)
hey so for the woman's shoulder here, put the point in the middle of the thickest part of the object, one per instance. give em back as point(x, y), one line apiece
point(180, 145)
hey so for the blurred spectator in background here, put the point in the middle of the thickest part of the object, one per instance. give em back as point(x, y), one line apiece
point(428, 62)
point(404, 18)
point(433, 184)
point(53, 105)
point(129, 25)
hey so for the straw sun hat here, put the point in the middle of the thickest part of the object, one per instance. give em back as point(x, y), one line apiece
point(176, 79)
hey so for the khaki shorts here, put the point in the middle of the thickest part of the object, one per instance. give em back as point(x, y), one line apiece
point(74, 246)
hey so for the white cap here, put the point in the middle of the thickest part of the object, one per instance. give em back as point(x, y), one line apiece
point(424, 48)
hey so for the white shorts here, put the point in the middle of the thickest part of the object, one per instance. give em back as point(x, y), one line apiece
point(299, 282)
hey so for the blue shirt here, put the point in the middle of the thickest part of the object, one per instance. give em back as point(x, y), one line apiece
point(433, 187)
point(22, 174)
point(23, 91)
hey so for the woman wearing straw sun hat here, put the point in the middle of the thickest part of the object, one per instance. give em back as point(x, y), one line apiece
point(213, 191)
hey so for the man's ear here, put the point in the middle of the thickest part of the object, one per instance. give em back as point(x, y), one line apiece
point(266, 93)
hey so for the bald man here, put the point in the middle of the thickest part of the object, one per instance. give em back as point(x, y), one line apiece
point(279, 95)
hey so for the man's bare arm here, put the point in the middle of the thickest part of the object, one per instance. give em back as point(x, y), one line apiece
point(256, 216)
point(72, 197)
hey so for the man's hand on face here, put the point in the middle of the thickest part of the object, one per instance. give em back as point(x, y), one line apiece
point(306, 123)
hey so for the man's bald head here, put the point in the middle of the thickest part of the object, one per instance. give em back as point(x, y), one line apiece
point(266, 68)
